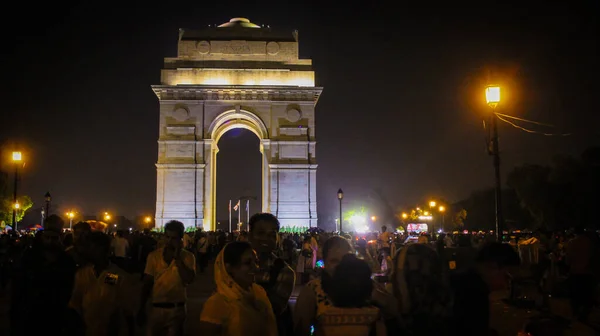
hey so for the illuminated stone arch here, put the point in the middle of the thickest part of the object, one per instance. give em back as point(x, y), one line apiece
point(237, 118)
point(224, 122)
point(265, 88)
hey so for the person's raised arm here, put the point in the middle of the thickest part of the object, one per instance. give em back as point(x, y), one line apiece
point(186, 266)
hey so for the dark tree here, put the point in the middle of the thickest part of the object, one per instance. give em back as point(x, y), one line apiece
point(562, 195)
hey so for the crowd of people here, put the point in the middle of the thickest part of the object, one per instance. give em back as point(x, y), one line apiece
point(89, 282)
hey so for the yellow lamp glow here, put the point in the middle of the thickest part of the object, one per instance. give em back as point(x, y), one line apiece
point(432, 204)
point(373, 218)
point(17, 205)
point(492, 95)
point(148, 219)
point(404, 215)
point(17, 156)
point(442, 208)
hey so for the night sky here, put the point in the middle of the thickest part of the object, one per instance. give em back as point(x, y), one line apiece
point(401, 109)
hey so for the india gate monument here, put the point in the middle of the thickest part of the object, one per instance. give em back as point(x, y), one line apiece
point(236, 75)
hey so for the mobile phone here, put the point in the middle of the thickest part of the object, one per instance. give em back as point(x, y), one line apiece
point(111, 278)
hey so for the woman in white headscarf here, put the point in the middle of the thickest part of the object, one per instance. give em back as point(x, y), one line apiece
point(239, 306)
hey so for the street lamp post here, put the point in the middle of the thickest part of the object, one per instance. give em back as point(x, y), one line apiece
point(48, 198)
point(340, 195)
point(492, 96)
point(16, 207)
point(442, 209)
point(17, 157)
point(431, 207)
point(71, 214)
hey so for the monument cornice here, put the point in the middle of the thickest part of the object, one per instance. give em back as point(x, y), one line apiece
point(183, 165)
point(292, 166)
point(237, 93)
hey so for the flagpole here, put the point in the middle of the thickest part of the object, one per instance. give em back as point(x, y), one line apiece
point(240, 213)
point(248, 214)
point(229, 215)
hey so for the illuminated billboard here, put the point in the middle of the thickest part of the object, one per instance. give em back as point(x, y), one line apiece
point(421, 227)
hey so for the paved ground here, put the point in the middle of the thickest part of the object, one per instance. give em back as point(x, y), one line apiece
point(507, 320)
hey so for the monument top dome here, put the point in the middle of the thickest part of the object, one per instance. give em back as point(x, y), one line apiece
point(237, 28)
point(239, 22)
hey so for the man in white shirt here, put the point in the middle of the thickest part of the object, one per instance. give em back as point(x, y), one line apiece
point(120, 247)
point(168, 271)
point(384, 239)
point(103, 293)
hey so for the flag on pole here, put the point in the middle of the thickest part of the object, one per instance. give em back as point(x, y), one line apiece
point(237, 205)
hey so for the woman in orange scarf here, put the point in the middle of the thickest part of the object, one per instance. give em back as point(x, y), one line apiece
point(239, 306)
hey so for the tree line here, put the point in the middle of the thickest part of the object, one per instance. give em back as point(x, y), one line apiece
point(561, 195)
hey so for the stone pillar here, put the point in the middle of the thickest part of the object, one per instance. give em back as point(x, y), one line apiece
point(293, 194)
point(293, 189)
point(265, 150)
point(176, 186)
point(210, 182)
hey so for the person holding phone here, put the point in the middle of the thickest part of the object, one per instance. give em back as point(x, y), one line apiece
point(102, 293)
point(168, 271)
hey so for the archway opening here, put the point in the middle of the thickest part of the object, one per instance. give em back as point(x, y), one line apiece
point(238, 177)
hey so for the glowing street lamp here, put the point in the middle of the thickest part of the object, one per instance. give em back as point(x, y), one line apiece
point(16, 208)
point(70, 214)
point(442, 209)
point(492, 97)
point(17, 158)
point(432, 205)
point(404, 215)
point(148, 220)
point(340, 196)
point(106, 216)
point(373, 218)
